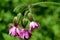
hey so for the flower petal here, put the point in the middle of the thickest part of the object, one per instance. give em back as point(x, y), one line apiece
point(21, 35)
point(12, 31)
point(27, 34)
point(33, 25)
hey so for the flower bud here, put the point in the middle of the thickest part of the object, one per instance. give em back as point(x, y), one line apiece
point(30, 17)
point(19, 15)
point(24, 22)
point(15, 21)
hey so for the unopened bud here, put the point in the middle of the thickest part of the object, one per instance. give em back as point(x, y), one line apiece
point(19, 15)
point(15, 21)
point(24, 22)
point(30, 17)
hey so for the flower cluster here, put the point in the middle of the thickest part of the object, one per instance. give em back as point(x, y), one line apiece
point(22, 33)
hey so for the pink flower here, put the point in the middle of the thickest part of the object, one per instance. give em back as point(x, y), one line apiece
point(13, 31)
point(21, 34)
point(28, 34)
point(33, 25)
point(25, 34)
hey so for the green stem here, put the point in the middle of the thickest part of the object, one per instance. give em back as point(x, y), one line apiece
point(25, 14)
point(30, 10)
point(52, 3)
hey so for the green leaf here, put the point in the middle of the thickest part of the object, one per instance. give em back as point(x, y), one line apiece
point(1, 15)
point(56, 30)
point(2, 27)
point(20, 8)
point(8, 37)
point(8, 17)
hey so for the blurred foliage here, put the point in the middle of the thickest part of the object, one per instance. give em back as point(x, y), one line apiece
point(46, 12)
